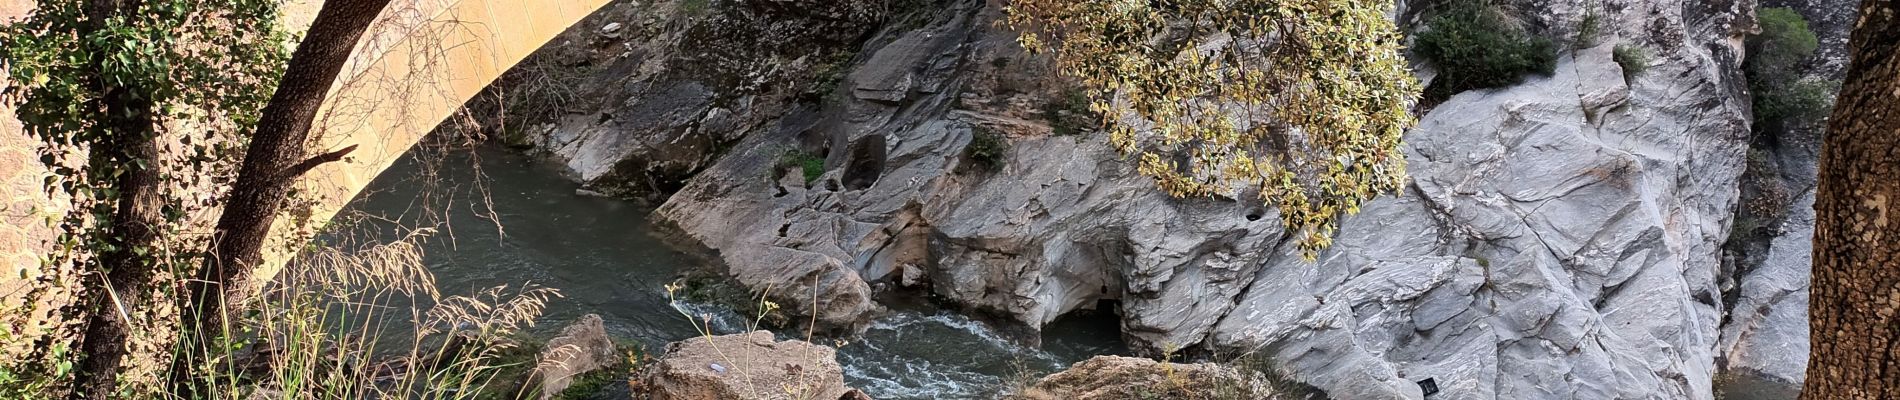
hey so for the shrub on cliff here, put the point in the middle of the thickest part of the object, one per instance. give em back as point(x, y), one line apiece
point(1168, 82)
point(1475, 46)
point(987, 148)
point(1774, 70)
point(811, 166)
point(1784, 42)
point(1634, 59)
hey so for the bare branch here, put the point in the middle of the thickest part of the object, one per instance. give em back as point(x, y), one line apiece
point(304, 167)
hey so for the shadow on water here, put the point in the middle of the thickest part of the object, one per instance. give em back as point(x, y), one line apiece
point(603, 256)
point(504, 219)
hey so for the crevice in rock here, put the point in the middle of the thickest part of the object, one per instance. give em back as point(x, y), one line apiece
point(1259, 274)
point(864, 162)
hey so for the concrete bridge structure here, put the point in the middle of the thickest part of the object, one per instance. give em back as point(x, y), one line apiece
point(425, 60)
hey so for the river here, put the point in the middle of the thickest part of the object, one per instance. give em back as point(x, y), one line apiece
point(604, 257)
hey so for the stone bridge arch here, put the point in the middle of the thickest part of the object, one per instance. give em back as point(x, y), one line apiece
point(422, 62)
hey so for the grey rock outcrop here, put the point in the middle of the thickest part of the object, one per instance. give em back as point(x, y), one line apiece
point(1059, 227)
point(1542, 252)
point(1767, 330)
point(1561, 239)
point(799, 235)
point(675, 84)
point(581, 348)
point(751, 366)
point(1562, 235)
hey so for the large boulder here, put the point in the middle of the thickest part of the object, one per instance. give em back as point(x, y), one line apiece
point(869, 216)
point(582, 347)
point(1127, 378)
point(749, 366)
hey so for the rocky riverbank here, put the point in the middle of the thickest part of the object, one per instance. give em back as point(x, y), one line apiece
point(755, 365)
point(1563, 236)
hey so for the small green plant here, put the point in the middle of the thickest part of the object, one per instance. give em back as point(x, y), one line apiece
point(589, 385)
point(1784, 43)
point(1068, 113)
point(527, 365)
point(1589, 30)
point(812, 166)
point(1474, 46)
point(1167, 368)
point(987, 148)
point(1801, 102)
point(35, 379)
point(1634, 59)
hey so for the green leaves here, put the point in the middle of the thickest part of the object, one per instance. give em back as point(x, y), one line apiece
point(1634, 60)
point(197, 71)
point(987, 148)
point(811, 166)
point(1784, 42)
point(1781, 96)
point(1301, 102)
point(207, 66)
point(1474, 47)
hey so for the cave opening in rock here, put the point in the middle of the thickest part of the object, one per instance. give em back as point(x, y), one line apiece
point(1093, 330)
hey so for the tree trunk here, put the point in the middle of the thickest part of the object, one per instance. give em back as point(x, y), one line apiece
point(129, 269)
point(1854, 315)
point(133, 229)
point(275, 158)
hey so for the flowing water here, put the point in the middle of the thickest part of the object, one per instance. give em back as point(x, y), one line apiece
point(510, 220)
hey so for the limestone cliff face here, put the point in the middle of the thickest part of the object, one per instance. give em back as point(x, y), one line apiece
point(1561, 238)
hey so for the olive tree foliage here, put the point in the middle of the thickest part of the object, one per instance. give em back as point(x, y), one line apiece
point(1302, 100)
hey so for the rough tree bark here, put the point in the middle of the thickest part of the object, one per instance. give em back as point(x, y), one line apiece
point(1855, 313)
point(275, 158)
point(134, 224)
